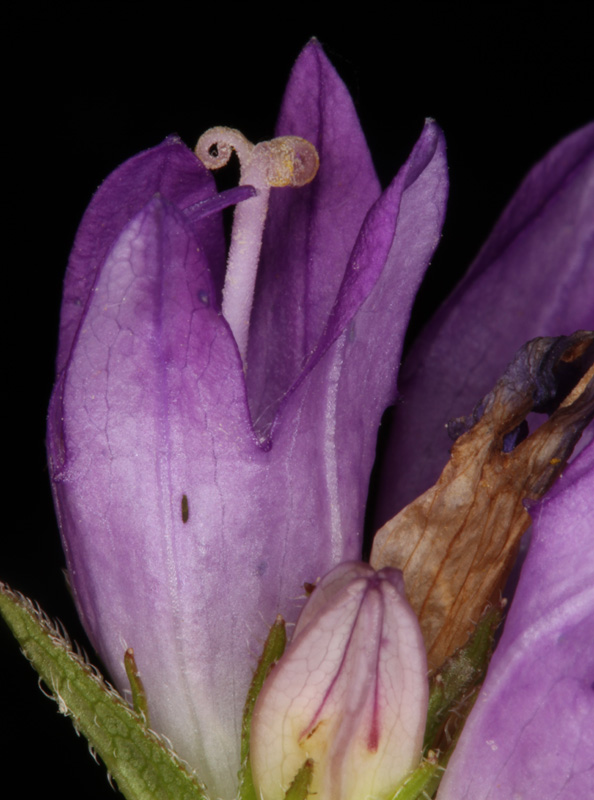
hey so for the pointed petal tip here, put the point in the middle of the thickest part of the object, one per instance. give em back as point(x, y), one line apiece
point(313, 45)
point(431, 139)
point(313, 56)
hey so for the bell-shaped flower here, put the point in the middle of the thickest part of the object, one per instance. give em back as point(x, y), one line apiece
point(350, 693)
point(204, 468)
point(531, 731)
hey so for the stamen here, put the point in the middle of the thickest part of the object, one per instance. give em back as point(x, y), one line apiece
point(286, 161)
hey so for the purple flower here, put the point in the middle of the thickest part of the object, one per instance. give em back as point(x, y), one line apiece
point(194, 499)
point(534, 276)
point(531, 732)
point(350, 693)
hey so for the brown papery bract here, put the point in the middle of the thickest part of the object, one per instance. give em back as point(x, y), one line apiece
point(457, 542)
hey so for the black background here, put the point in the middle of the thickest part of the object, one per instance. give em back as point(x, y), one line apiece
point(90, 85)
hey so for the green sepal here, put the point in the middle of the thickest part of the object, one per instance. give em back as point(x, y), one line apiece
point(299, 789)
point(142, 764)
point(459, 676)
point(421, 783)
point(274, 647)
point(139, 699)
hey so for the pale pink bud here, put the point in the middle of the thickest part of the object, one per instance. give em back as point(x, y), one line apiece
point(350, 692)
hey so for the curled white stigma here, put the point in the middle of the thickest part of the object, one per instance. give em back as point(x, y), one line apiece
point(285, 161)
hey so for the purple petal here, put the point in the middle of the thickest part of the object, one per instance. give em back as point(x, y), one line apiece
point(531, 732)
point(310, 231)
point(151, 408)
point(169, 169)
point(396, 242)
point(336, 409)
point(534, 277)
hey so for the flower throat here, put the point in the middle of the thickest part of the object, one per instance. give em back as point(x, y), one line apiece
point(285, 161)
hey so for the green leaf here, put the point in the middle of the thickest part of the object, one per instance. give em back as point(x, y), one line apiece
point(273, 650)
point(141, 762)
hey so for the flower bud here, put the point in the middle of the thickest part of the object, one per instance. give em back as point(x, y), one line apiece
point(350, 692)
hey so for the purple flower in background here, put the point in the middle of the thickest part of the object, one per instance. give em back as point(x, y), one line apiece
point(534, 276)
point(531, 732)
point(195, 497)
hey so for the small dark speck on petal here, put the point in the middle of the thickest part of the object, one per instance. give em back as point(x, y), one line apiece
point(203, 297)
point(261, 568)
point(185, 508)
point(265, 443)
